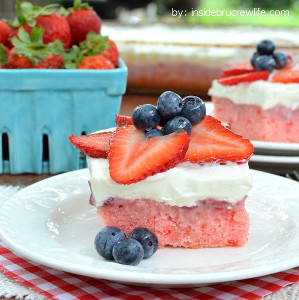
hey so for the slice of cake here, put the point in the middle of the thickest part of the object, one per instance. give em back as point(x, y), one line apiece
point(188, 188)
point(260, 99)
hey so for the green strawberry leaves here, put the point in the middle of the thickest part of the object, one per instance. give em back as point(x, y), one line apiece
point(26, 13)
point(3, 56)
point(94, 44)
point(32, 46)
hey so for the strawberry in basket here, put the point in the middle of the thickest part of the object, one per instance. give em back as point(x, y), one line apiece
point(82, 19)
point(29, 51)
point(28, 16)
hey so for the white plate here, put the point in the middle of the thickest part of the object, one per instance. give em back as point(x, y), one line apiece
point(267, 148)
point(274, 164)
point(52, 223)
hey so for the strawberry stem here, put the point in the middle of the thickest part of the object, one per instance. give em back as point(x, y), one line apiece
point(26, 13)
point(79, 5)
point(94, 44)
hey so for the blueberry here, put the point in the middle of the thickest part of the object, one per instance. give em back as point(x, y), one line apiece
point(147, 239)
point(253, 58)
point(264, 63)
point(177, 123)
point(169, 105)
point(106, 238)
point(153, 132)
point(145, 117)
point(281, 60)
point(128, 251)
point(265, 47)
point(194, 109)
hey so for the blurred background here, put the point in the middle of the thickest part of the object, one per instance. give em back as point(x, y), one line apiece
point(151, 10)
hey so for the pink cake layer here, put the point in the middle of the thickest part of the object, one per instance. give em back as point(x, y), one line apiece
point(277, 124)
point(210, 223)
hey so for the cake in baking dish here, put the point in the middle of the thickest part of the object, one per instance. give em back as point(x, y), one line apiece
point(260, 100)
point(187, 184)
point(156, 53)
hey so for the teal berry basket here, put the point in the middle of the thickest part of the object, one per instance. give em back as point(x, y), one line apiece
point(39, 109)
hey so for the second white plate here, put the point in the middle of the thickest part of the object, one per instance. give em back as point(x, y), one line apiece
point(275, 164)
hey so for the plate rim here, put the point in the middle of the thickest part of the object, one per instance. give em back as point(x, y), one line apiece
point(275, 159)
point(194, 279)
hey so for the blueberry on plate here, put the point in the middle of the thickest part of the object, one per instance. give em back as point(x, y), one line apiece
point(169, 105)
point(265, 47)
point(281, 60)
point(264, 63)
point(153, 132)
point(253, 58)
point(194, 109)
point(128, 251)
point(176, 124)
point(145, 117)
point(106, 238)
point(147, 239)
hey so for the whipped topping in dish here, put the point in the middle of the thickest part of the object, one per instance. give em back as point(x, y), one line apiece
point(183, 185)
point(265, 94)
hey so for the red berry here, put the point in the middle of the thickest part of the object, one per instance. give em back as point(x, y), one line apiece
point(95, 62)
point(4, 32)
point(112, 53)
point(286, 76)
point(210, 141)
point(249, 77)
point(52, 61)
point(239, 69)
point(121, 120)
point(18, 61)
point(81, 22)
point(133, 157)
point(56, 28)
point(94, 145)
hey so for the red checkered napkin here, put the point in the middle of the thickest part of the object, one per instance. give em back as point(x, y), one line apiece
point(61, 285)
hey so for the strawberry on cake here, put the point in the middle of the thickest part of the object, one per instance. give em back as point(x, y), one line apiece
point(174, 170)
point(260, 99)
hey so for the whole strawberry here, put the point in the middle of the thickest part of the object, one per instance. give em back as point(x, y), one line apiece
point(82, 20)
point(31, 52)
point(89, 54)
point(52, 61)
point(56, 28)
point(28, 16)
point(18, 61)
point(112, 53)
point(95, 62)
point(4, 32)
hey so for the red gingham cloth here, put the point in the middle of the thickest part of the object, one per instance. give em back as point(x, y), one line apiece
point(62, 285)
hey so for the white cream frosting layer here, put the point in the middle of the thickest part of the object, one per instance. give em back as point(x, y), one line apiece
point(265, 94)
point(183, 185)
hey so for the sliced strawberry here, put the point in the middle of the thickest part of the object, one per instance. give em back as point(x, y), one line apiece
point(121, 120)
point(239, 69)
point(210, 142)
point(94, 145)
point(286, 76)
point(289, 64)
point(249, 77)
point(133, 157)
